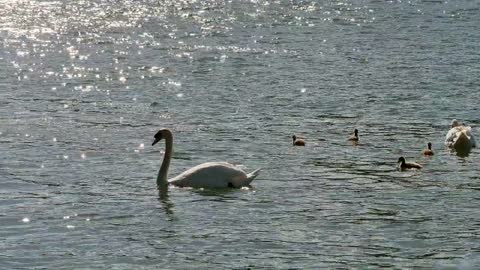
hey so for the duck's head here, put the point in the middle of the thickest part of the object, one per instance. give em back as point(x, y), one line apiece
point(355, 132)
point(294, 137)
point(401, 160)
point(160, 135)
point(429, 145)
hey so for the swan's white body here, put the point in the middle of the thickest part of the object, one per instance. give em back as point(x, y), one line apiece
point(206, 175)
point(213, 175)
point(460, 138)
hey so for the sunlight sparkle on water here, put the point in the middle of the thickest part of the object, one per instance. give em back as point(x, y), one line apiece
point(22, 53)
point(87, 88)
point(25, 220)
point(140, 147)
point(223, 58)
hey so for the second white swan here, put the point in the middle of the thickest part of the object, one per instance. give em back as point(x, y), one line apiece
point(206, 175)
point(460, 137)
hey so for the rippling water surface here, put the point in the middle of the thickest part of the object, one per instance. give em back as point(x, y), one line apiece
point(84, 85)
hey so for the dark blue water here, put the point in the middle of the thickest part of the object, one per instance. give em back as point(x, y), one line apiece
point(84, 86)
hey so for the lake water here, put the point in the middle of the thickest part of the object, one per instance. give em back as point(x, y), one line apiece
point(84, 86)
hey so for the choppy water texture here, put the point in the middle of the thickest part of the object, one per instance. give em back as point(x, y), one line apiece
point(84, 85)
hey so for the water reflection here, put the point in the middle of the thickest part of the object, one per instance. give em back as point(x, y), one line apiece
point(462, 153)
point(238, 75)
point(164, 199)
point(215, 192)
point(353, 143)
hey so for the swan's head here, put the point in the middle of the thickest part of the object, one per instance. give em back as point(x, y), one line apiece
point(159, 135)
point(294, 137)
point(455, 123)
point(401, 159)
point(429, 145)
point(355, 132)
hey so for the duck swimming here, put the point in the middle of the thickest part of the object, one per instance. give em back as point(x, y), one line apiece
point(297, 141)
point(428, 151)
point(404, 165)
point(354, 137)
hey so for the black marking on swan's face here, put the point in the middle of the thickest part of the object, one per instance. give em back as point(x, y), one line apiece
point(158, 137)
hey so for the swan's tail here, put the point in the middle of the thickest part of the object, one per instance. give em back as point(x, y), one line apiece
point(252, 175)
point(462, 143)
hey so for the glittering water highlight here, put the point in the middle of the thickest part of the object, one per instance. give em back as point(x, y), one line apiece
point(84, 85)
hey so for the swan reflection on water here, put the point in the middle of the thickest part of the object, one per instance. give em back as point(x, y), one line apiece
point(220, 194)
point(164, 199)
point(215, 194)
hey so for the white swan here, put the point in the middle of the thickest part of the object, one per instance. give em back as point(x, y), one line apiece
point(206, 175)
point(460, 137)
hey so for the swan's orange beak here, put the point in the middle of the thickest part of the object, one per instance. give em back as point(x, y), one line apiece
point(156, 140)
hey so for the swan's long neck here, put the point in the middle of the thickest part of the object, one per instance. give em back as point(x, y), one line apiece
point(163, 173)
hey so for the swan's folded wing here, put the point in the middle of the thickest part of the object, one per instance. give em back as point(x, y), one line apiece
point(210, 175)
point(451, 136)
point(470, 135)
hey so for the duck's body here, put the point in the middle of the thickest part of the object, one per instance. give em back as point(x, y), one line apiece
point(298, 141)
point(460, 137)
point(206, 175)
point(428, 151)
point(354, 137)
point(404, 165)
